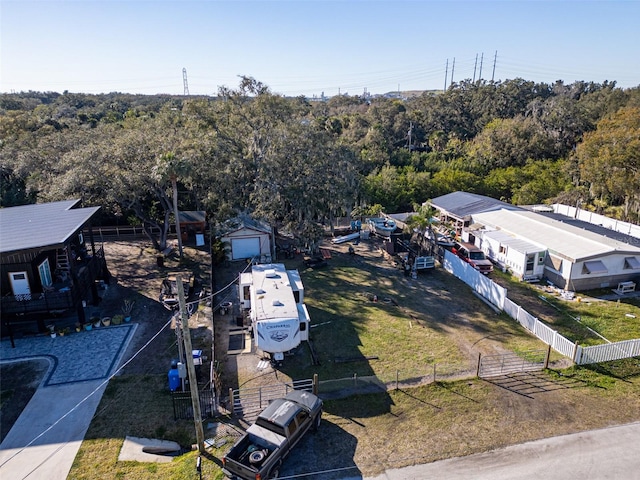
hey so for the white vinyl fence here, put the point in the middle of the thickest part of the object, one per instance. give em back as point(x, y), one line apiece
point(497, 295)
point(476, 280)
point(597, 219)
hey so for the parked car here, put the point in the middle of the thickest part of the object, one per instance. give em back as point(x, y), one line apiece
point(259, 453)
point(473, 256)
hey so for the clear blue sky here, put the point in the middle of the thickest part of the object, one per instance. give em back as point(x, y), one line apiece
point(308, 47)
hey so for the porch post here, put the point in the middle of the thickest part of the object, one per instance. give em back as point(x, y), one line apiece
point(81, 317)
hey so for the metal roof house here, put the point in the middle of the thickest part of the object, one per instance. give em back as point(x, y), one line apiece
point(576, 258)
point(458, 207)
point(47, 264)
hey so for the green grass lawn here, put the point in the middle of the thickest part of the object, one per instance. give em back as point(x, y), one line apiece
point(410, 327)
point(614, 320)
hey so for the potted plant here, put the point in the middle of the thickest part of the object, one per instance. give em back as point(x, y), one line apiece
point(127, 307)
point(88, 326)
point(117, 319)
point(78, 327)
point(96, 321)
point(106, 321)
point(52, 330)
point(63, 331)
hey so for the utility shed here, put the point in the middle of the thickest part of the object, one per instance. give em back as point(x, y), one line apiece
point(247, 238)
point(576, 258)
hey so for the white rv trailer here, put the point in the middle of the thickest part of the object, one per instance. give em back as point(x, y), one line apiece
point(275, 299)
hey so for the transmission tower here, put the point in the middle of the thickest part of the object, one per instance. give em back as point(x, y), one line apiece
point(494, 65)
point(184, 80)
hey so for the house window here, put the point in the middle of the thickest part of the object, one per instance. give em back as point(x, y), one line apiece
point(45, 273)
point(631, 263)
point(503, 249)
point(541, 257)
point(595, 267)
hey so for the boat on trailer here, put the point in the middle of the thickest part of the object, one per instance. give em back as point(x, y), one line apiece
point(169, 288)
point(383, 227)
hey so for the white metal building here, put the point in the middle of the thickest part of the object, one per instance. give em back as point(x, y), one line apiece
point(522, 257)
point(575, 259)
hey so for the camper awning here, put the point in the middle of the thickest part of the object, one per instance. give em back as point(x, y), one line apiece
point(595, 267)
point(632, 263)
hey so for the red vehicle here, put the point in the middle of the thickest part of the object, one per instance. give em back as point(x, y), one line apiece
point(474, 257)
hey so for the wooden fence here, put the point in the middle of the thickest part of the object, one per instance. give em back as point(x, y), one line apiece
point(121, 232)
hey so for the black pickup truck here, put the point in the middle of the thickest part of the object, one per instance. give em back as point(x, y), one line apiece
point(258, 455)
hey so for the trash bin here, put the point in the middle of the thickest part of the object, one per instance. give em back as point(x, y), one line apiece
point(174, 379)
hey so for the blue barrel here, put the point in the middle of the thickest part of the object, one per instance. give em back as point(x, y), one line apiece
point(174, 379)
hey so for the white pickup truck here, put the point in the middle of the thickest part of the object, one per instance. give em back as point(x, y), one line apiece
point(259, 453)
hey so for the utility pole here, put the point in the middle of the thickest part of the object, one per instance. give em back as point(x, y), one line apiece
point(453, 67)
point(494, 65)
point(474, 69)
point(174, 182)
point(446, 73)
point(191, 369)
point(481, 59)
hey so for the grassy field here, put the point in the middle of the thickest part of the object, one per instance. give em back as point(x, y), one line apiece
point(585, 321)
point(413, 325)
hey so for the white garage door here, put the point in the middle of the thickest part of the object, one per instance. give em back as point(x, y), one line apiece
point(245, 248)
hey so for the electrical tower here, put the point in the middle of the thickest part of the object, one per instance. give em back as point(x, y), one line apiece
point(184, 80)
point(494, 65)
point(446, 74)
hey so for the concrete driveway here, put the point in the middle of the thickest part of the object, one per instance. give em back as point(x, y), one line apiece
point(46, 437)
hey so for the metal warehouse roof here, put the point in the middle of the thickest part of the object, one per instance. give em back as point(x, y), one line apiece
point(41, 225)
point(464, 204)
point(560, 238)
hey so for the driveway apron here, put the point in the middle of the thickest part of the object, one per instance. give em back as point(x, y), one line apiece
point(46, 437)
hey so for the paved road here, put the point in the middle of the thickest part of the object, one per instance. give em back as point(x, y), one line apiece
point(610, 453)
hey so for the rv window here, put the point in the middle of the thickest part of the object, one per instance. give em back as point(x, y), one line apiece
point(247, 295)
point(303, 326)
point(296, 295)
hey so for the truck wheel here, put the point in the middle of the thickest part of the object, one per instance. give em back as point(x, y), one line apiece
point(316, 421)
point(275, 473)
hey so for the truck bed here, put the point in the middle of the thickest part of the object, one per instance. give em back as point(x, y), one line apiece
point(239, 457)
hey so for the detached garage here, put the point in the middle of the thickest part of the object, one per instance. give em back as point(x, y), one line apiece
point(247, 239)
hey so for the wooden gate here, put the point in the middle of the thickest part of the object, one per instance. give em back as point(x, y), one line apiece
point(248, 402)
point(497, 365)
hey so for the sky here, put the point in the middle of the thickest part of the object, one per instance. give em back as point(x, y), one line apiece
point(312, 47)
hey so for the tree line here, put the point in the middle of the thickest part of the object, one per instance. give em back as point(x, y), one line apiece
point(298, 163)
